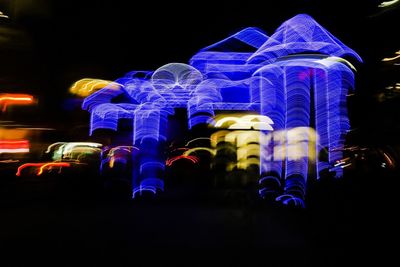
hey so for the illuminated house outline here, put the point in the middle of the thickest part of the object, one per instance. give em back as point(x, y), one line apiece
point(297, 77)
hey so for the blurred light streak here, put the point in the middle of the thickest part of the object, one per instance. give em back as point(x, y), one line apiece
point(388, 159)
point(13, 134)
point(388, 3)
point(2, 15)
point(346, 165)
point(256, 122)
point(287, 199)
point(50, 147)
point(337, 59)
point(36, 128)
point(392, 58)
point(192, 159)
point(52, 164)
point(197, 139)
point(14, 150)
point(195, 149)
point(14, 146)
point(41, 166)
point(9, 161)
point(15, 99)
point(119, 154)
point(88, 86)
point(73, 149)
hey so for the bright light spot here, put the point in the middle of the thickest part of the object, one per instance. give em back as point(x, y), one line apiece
point(392, 58)
point(388, 3)
point(2, 15)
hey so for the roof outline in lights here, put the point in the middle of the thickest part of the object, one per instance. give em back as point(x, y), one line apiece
point(298, 35)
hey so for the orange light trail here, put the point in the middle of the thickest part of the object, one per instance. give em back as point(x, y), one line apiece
point(41, 166)
point(23, 166)
point(193, 159)
point(15, 99)
point(53, 164)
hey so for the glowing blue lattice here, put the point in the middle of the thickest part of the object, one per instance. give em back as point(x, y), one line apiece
point(301, 34)
point(247, 71)
point(227, 59)
point(295, 82)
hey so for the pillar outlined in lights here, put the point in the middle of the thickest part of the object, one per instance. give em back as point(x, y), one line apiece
point(298, 78)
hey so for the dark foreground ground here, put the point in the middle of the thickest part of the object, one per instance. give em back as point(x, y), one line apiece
point(345, 223)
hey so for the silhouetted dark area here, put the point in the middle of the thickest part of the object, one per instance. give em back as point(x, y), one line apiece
point(45, 46)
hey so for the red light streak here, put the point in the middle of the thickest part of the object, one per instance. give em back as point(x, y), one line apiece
point(41, 166)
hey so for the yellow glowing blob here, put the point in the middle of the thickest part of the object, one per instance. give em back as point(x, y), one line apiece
point(88, 86)
point(243, 122)
point(242, 138)
point(246, 144)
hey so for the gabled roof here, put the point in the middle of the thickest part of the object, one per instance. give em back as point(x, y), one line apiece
point(246, 40)
point(101, 96)
point(298, 35)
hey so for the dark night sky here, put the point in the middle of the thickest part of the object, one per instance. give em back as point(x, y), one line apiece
point(73, 39)
point(58, 42)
